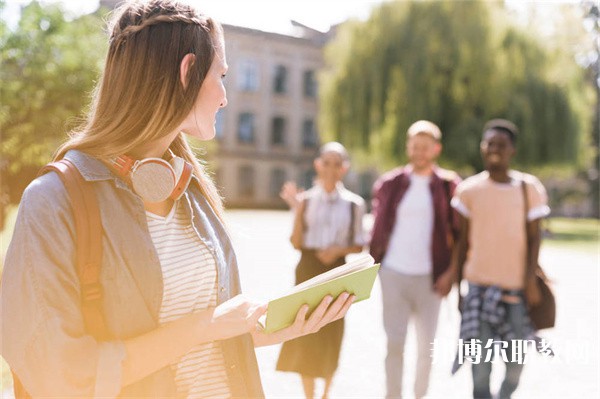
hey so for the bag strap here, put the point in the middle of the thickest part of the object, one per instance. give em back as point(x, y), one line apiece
point(352, 221)
point(538, 269)
point(525, 200)
point(88, 248)
point(88, 231)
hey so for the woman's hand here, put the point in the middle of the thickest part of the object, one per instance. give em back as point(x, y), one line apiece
point(330, 254)
point(324, 314)
point(289, 193)
point(236, 316)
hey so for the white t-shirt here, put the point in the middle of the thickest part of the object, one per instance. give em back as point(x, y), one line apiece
point(409, 249)
point(189, 284)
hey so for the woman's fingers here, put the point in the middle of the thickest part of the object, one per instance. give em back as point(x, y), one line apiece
point(256, 313)
point(345, 308)
point(335, 309)
point(317, 315)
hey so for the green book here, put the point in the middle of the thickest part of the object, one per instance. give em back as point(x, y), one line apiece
point(356, 277)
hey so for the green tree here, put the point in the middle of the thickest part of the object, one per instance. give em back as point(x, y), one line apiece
point(48, 66)
point(591, 60)
point(455, 63)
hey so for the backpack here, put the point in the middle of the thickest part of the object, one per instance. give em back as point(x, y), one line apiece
point(88, 232)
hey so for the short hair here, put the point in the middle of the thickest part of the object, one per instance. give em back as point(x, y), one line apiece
point(424, 127)
point(504, 126)
point(334, 146)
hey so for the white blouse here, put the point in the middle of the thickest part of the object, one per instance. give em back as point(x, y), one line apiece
point(327, 218)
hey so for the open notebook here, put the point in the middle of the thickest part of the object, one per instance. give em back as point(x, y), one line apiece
point(356, 277)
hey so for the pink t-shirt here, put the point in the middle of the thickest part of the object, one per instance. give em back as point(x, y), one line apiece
point(497, 238)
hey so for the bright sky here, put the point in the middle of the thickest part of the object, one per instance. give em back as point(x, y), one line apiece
point(270, 15)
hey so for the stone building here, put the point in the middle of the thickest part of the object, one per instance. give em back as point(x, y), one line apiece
point(267, 134)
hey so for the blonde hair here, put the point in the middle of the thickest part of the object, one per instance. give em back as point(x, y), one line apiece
point(424, 127)
point(139, 97)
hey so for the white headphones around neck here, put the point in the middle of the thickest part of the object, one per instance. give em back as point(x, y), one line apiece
point(155, 179)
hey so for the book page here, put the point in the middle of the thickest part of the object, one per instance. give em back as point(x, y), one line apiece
point(357, 264)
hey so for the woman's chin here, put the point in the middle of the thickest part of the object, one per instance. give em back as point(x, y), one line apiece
point(204, 135)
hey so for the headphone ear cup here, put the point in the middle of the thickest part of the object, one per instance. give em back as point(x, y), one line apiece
point(153, 179)
point(183, 175)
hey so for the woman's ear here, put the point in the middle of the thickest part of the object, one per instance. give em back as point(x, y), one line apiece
point(186, 63)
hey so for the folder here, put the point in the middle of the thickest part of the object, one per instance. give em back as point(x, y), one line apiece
point(356, 277)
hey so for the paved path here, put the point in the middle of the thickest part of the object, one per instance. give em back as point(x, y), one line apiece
point(267, 264)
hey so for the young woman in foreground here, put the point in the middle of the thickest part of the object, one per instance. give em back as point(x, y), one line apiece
point(177, 324)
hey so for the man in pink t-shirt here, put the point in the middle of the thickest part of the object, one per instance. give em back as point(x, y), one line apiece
point(502, 239)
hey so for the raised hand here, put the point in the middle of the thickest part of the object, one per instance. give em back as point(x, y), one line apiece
point(289, 193)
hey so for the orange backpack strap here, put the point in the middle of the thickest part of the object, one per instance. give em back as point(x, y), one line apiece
point(18, 389)
point(88, 247)
point(88, 230)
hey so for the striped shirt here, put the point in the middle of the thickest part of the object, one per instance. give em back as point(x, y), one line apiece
point(190, 284)
point(328, 218)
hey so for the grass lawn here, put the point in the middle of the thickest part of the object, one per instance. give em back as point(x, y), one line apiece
point(576, 234)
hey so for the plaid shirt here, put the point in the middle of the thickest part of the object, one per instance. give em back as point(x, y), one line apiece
point(484, 303)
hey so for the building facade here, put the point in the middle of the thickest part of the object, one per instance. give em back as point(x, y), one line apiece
point(268, 133)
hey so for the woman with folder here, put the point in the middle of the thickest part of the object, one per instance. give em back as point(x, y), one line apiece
point(168, 290)
point(327, 227)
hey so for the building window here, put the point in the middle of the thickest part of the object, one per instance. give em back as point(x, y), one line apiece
point(278, 131)
point(277, 181)
point(248, 75)
point(280, 80)
point(309, 134)
point(246, 182)
point(310, 84)
point(219, 124)
point(246, 128)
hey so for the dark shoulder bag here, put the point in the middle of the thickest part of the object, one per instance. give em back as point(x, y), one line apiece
point(88, 231)
point(543, 315)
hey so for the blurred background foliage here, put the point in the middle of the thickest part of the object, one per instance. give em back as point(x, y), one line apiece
point(48, 67)
point(457, 63)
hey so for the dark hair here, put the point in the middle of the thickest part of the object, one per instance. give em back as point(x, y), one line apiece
point(504, 126)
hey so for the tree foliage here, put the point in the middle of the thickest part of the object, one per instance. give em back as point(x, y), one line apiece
point(48, 66)
point(457, 64)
